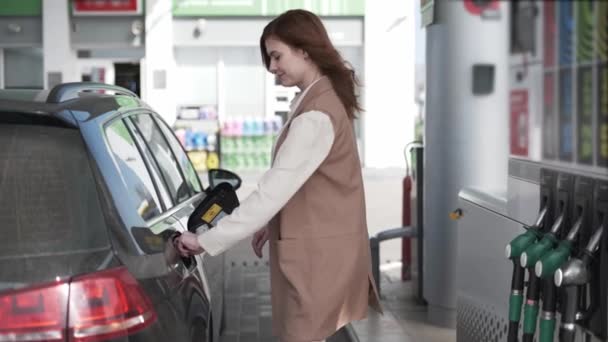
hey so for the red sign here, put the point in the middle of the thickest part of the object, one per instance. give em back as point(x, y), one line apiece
point(520, 122)
point(550, 33)
point(106, 7)
point(477, 9)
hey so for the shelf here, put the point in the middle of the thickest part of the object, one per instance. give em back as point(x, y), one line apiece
point(206, 125)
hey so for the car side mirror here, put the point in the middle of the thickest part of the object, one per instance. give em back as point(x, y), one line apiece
point(218, 176)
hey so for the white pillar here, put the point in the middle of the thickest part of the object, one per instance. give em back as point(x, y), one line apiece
point(465, 136)
point(159, 66)
point(59, 57)
point(388, 121)
point(1, 68)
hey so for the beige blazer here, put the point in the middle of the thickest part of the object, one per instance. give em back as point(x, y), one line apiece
point(319, 249)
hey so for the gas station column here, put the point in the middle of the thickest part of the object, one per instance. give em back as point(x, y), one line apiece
point(158, 68)
point(466, 131)
point(59, 57)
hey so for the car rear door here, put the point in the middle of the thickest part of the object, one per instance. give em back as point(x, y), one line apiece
point(181, 193)
point(213, 266)
point(150, 226)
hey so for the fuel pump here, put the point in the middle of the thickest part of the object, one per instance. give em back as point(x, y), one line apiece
point(534, 253)
point(548, 180)
point(583, 198)
point(572, 276)
point(544, 269)
point(528, 260)
point(548, 295)
point(595, 317)
point(513, 252)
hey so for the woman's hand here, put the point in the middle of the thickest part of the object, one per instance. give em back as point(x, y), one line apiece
point(258, 241)
point(187, 244)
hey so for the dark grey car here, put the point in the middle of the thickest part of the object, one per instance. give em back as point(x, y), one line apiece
point(93, 187)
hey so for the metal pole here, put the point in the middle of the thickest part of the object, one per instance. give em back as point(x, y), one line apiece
point(375, 250)
point(419, 151)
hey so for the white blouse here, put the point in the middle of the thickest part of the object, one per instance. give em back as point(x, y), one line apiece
point(310, 138)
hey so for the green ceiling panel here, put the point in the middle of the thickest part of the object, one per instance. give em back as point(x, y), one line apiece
point(203, 8)
point(20, 8)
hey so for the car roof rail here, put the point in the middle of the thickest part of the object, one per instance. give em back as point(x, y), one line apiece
point(68, 91)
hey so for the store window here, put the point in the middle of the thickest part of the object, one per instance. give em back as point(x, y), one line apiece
point(184, 162)
point(23, 68)
point(166, 161)
point(133, 170)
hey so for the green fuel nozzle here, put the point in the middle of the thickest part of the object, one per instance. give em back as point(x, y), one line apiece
point(523, 241)
point(536, 251)
point(546, 327)
point(553, 260)
point(513, 252)
point(518, 245)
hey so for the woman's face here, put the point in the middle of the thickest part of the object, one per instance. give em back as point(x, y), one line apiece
point(292, 67)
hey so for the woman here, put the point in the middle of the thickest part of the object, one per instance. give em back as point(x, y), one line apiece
point(310, 205)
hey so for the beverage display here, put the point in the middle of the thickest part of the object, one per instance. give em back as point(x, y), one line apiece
point(247, 142)
point(197, 129)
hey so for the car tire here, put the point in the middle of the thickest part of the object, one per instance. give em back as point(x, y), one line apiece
point(199, 331)
point(201, 328)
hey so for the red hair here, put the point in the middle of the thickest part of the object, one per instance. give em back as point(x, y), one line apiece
point(304, 30)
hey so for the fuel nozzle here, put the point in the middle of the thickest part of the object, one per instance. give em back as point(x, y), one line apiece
point(528, 259)
point(536, 251)
point(575, 271)
point(572, 275)
point(551, 261)
point(523, 241)
point(516, 298)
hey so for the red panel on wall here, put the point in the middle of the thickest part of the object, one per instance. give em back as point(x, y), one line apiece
point(549, 33)
point(520, 122)
point(107, 6)
point(477, 9)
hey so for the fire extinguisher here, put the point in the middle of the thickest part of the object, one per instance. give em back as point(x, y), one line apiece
point(406, 215)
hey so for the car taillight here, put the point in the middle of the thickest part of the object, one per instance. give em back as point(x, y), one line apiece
point(34, 314)
point(107, 304)
point(93, 307)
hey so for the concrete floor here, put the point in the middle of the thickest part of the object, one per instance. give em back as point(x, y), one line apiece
point(248, 316)
point(404, 319)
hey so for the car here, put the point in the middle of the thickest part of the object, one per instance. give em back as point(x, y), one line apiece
point(94, 188)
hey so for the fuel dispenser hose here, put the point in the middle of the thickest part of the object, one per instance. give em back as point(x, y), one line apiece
point(513, 252)
point(528, 260)
point(572, 276)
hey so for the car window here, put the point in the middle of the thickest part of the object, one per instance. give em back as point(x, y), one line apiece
point(170, 171)
point(152, 165)
point(133, 170)
point(49, 202)
point(182, 157)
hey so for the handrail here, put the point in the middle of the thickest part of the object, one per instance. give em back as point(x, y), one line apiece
point(388, 234)
point(68, 91)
